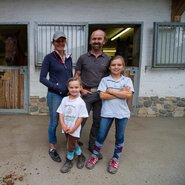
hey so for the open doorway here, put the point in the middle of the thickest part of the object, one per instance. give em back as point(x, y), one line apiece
point(13, 68)
point(124, 40)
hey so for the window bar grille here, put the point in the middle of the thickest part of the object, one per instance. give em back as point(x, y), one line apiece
point(169, 45)
point(174, 53)
point(75, 43)
point(183, 42)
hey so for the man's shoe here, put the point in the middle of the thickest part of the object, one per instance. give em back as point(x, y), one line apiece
point(54, 155)
point(80, 161)
point(67, 166)
point(80, 143)
point(100, 155)
point(90, 150)
point(91, 162)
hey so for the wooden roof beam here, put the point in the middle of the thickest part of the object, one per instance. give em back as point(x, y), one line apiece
point(177, 9)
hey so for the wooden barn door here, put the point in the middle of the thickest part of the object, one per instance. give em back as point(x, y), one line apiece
point(13, 85)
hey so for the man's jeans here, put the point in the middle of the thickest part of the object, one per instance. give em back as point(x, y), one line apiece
point(93, 103)
point(53, 101)
point(105, 124)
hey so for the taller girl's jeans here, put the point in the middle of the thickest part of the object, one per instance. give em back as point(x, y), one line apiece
point(53, 101)
point(105, 124)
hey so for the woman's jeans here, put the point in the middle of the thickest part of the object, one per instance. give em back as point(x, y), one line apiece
point(53, 101)
point(105, 124)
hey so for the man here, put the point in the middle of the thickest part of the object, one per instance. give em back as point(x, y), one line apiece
point(91, 68)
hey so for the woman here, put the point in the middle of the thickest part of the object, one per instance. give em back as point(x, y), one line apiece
point(59, 67)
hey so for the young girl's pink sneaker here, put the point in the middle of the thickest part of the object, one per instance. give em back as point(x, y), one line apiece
point(91, 162)
point(113, 165)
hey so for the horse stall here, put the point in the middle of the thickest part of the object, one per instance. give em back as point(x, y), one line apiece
point(13, 68)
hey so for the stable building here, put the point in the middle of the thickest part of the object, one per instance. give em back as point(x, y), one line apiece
point(150, 35)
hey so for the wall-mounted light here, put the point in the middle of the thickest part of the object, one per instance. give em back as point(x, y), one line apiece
point(119, 34)
point(109, 50)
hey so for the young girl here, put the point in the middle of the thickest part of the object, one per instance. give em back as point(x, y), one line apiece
point(71, 111)
point(114, 90)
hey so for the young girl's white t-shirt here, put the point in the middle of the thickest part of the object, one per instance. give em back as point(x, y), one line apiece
point(72, 109)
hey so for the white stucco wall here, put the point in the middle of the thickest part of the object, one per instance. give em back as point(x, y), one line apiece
point(158, 82)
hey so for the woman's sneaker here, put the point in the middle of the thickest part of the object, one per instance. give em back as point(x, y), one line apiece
point(91, 162)
point(113, 165)
point(54, 155)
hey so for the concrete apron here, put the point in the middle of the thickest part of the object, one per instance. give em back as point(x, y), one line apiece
point(154, 154)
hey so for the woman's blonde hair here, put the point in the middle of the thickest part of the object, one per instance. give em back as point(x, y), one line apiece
point(52, 46)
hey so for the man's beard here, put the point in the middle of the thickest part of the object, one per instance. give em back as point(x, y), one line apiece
point(96, 46)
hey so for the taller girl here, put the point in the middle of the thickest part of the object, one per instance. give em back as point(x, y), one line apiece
point(114, 90)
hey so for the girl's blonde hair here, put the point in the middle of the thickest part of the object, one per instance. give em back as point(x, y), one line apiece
point(73, 79)
point(117, 57)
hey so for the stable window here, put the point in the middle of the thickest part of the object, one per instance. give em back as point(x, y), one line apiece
point(76, 40)
point(169, 45)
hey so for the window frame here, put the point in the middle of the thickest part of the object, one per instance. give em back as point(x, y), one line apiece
point(155, 62)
